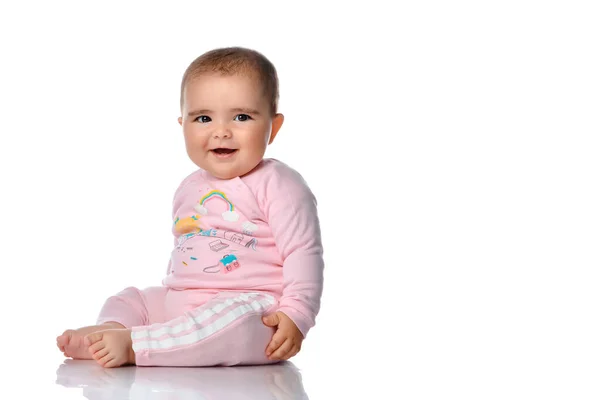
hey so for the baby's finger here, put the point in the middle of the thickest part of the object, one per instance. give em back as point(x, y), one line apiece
point(282, 350)
point(292, 353)
point(278, 339)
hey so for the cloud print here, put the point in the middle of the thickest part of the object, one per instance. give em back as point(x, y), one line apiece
point(200, 208)
point(231, 216)
point(249, 227)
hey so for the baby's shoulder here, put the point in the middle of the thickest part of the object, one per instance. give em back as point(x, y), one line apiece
point(195, 177)
point(271, 168)
point(276, 179)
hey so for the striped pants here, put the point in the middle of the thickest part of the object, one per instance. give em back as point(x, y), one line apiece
point(193, 327)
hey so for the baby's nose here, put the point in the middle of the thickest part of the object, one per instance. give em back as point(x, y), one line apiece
point(222, 131)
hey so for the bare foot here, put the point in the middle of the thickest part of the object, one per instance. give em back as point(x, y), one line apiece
point(71, 341)
point(111, 348)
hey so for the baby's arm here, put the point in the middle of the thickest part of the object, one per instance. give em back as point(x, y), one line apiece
point(291, 211)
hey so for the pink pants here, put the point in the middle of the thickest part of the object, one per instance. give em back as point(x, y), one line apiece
point(193, 327)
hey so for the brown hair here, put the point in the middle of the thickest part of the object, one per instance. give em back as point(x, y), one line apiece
point(236, 60)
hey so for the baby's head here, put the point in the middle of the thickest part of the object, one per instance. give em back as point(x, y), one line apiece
point(229, 110)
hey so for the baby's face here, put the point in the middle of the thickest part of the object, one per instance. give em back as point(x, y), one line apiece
point(227, 123)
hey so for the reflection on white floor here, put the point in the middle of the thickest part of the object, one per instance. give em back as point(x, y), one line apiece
point(279, 382)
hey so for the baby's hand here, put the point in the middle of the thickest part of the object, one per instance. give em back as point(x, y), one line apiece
point(287, 340)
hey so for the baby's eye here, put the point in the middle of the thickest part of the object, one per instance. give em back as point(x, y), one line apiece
point(242, 117)
point(203, 119)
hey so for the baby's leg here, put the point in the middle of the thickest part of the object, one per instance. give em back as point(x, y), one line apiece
point(128, 308)
point(112, 347)
point(227, 330)
point(71, 341)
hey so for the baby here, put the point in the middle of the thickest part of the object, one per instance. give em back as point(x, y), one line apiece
point(245, 277)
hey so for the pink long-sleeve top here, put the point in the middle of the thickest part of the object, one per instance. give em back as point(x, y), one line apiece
point(258, 232)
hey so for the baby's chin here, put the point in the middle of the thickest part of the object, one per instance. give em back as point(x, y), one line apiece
point(229, 169)
point(224, 176)
point(228, 173)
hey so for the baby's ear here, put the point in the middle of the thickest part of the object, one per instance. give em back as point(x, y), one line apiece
point(180, 120)
point(275, 126)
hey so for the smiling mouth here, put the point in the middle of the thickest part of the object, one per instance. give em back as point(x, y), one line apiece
point(223, 153)
point(222, 150)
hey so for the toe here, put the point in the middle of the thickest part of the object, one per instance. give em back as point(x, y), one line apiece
point(100, 354)
point(106, 359)
point(63, 339)
point(99, 345)
point(93, 338)
point(112, 363)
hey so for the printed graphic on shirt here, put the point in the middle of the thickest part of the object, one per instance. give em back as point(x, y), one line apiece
point(227, 264)
point(182, 249)
point(240, 239)
point(191, 259)
point(217, 245)
point(234, 237)
point(251, 244)
point(248, 228)
point(187, 225)
point(229, 215)
point(230, 263)
point(182, 239)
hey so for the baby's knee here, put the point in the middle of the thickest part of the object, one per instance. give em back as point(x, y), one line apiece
point(126, 307)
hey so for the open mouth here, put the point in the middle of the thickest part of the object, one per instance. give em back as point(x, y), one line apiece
point(222, 152)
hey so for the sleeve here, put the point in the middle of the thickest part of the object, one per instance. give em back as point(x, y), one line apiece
point(291, 211)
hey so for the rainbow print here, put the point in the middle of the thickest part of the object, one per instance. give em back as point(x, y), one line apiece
point(216, 193)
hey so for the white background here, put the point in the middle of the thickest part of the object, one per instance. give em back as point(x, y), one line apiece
point(453, 148)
